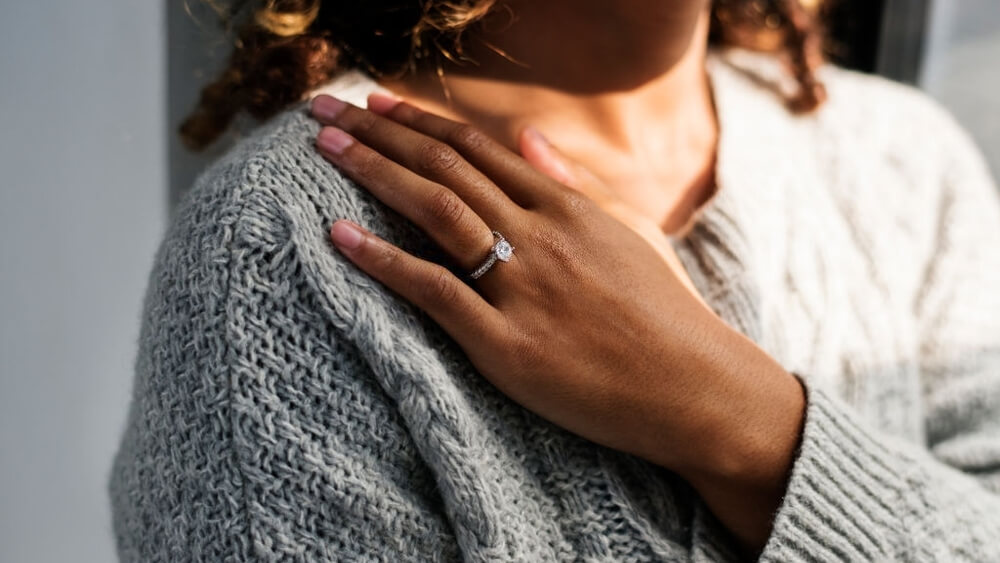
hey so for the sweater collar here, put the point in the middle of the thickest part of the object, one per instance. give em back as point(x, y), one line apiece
point(739, 239)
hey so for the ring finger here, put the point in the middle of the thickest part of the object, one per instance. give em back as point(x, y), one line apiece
point(437, 210)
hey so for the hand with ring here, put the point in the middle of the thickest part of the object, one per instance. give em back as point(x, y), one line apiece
point(578, 318)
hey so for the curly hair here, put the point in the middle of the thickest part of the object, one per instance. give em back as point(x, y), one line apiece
point(285, 48)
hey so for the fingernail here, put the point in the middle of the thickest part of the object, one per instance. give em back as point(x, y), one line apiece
point(382, 103)
point(346, 235)
point(333, 140)
point(537, 135)
point(555, 162)
point(327, 107)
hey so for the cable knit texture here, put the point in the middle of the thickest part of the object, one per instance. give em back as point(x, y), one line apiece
point(287, 407)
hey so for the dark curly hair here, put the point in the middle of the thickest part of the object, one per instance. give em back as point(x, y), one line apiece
point(285, 48)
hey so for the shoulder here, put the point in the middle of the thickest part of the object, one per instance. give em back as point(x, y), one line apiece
point(252, 322)
point(274, 166)
point(276, 177)
point(273, 187)
point(234, 231)
point(263, 211)
point(246, 204)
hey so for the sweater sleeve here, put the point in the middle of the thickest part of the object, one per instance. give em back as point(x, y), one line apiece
point(858, 494)
point(255, 431)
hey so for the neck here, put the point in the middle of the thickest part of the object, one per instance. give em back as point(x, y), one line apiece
point(621, 84)
point(586, 47)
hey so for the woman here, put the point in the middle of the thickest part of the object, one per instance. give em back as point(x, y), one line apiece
point(731, 319)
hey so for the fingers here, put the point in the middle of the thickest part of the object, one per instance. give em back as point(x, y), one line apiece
point(438, 211)
point(537, 150)
point(419, 153)
point(453, 304)
point(548, 159)
point(517, 178)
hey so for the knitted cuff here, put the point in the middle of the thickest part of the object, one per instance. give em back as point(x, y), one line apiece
point(850, 492)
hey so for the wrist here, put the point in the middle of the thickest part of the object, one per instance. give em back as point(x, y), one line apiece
point(749, 425)
point(739, 450)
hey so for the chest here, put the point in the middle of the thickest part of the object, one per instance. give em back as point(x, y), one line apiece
point(823, 280)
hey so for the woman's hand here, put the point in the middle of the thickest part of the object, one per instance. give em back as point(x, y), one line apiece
point(544, 156)
point(586, 325)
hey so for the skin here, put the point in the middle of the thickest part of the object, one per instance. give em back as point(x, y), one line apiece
point(593, 324)
point(647, 128)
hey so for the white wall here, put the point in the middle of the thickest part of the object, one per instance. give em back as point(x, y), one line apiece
point(82, 207)
point(962, 67)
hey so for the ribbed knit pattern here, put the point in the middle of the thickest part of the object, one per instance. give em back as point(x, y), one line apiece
point(287, 407)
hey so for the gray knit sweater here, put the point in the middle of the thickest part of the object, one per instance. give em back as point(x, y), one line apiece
point(287, 407)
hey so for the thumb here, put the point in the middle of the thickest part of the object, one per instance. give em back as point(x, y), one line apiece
point(549, 160)
point(546, 158)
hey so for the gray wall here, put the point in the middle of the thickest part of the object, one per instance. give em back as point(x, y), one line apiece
point(962, 67)
point(82, 207)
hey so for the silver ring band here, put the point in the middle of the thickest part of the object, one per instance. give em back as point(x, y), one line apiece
point(501, 250)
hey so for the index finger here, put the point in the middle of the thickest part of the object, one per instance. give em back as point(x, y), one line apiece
point(425, 156)
point(510, 171)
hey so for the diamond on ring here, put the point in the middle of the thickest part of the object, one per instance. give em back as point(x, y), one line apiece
point(502, 250)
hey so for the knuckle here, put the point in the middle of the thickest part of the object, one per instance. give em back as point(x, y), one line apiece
point(484, 244)
point(404, 113)
point(436, 158)
point(420, 119)
point(522, 345)
point(440, 286)
point(386, 258)
point(358, 121)
point(560, 251)
point(445, 208)
point(365, 162)
point(475, 249)
point(467, 137)
point(573, 204)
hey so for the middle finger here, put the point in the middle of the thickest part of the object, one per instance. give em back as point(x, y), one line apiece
point(437, 210)
point(420, 153)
